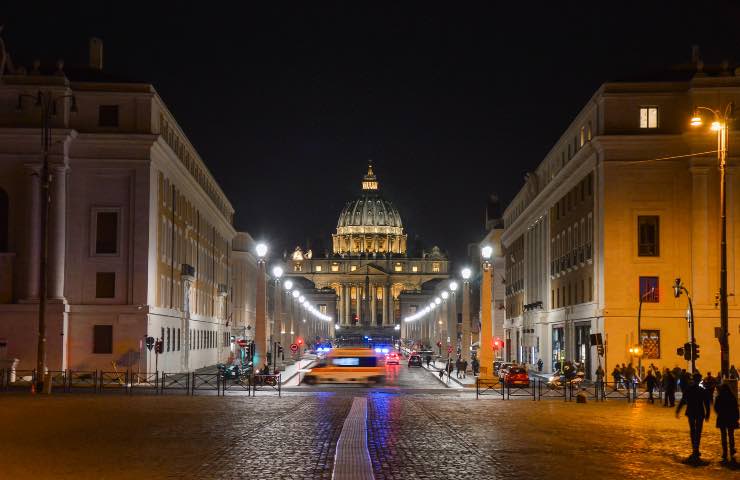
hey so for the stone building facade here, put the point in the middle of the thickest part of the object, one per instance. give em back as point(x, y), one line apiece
point(139, 231)
point(370, 265)
point(625, 202)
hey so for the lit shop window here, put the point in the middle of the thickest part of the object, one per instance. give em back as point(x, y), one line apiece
point(318, 268)
point(334, 267)
point(398, 267)
point(414, 269)
point(352, 268)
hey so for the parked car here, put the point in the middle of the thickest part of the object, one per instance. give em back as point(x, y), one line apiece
point(499, 368)
point(414, 360)
point(392, 358)
point(516, 377)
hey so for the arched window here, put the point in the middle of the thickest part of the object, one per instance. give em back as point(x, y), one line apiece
point(4, 220)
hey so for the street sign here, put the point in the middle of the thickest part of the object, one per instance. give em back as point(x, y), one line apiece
point(242, 343)
point(149, 343)
point(293, 347)
point(449, 349)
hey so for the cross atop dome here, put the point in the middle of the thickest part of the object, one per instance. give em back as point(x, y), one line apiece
point(369, 181)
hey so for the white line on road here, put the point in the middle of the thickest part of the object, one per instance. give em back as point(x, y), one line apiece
point(352, 460)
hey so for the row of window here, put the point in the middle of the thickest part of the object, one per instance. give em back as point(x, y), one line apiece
point(199, 339)
point(572, 293)
point(572, 246)
point(397, 267)
point(577, 195)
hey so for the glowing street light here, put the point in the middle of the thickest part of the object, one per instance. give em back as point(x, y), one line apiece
point(296, 293)
point(466, 273)
point(453, 286)
point(277, 271)
point(486, 252)
point(261, 250)
point(289, 285)
point(444, 295)
point(437, 300)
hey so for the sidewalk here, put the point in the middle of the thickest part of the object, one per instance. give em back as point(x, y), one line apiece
point(289, 376)
point(454, 382)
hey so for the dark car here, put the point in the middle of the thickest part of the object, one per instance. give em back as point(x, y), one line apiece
point(414, 360)
point(516, 377)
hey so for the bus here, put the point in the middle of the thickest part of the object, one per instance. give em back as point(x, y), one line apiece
point(348, 365)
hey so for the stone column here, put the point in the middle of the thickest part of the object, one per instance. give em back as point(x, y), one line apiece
point(373, 304)
point(359, 304)
point(33, 247)
point(57, 231)
point(385, 305)
point(347, 302)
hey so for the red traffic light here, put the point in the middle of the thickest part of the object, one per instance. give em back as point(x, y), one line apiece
point(300, 341)
point(498, 343)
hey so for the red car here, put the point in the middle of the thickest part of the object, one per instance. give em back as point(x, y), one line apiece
point(392, 358)
point(516, 377)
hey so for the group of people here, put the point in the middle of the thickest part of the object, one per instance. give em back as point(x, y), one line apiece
point(698, 396)
point(459, 366)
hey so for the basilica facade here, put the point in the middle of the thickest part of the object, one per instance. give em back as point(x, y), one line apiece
point(370, 264)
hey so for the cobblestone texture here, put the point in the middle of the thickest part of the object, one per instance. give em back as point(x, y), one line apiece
point(435, 434)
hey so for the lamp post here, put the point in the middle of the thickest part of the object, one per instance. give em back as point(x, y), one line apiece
point(677, 289)
point(260, 327)
point(465, 339)
point(721, 125)
point(277, 272)
point(47, 102)
point(486, 324)
point(452, 317)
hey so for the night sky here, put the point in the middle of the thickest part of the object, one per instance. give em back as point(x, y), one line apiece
point(287, 103)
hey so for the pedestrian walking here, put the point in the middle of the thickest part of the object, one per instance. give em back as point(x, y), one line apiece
point(617, 376)
point(465, 368)
point(727, 420)
point(600, 381)
point(684, 381)
point(669, 389)
point(428, 358)
point(650, 383)
point(475, 364)
point(696, 401)
point(539, 365)
point(709, 383)
point(458, 367)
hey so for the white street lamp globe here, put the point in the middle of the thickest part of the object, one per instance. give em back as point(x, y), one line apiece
point(432, 305)
point(277, 271)
point(296, 293)
point(466, 273)
point(444, 294)
point(301, 299)
point(453, 285)
point(437, 300)
point(289, 285)
point(486, 252)
point(261, 250)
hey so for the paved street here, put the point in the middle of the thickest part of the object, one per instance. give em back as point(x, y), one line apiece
point(447, 434)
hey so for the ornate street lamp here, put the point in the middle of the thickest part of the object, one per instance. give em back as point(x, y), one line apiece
point(260, 328)
point(721, 125)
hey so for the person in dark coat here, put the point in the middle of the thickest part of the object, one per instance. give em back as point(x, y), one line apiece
point(710, 383)
point(727, 420)
point(684, 381)
point(539, 365)
point(650, 383)
point(475, 364)
point(617, 376)
point(669, 389)
point(696, 400)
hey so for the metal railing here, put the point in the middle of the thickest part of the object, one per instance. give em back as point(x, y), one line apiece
point(616, 390)
point(488, 387)
point(238, 384)
point(82, 380)
point(175, 381)
point(529, 390)
point(266, 382)
point(205, 382)
point(142, 382)
point(549, 390)
point(19, 379)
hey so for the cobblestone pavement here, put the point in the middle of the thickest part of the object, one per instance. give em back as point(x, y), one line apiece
point(410, 436)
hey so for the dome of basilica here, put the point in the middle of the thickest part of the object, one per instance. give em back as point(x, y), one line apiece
point(369, 223)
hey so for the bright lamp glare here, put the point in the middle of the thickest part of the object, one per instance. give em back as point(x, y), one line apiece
point(466, 273)
point(437, 300)
point(444, 294)
point(716, 126)
point(288, 285)
point(696, 121)
point(486, 252)
point(453, 285)
point(277, 271)
point(296, 294)
point(261, 250)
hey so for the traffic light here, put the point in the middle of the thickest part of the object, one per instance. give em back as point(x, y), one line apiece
point(159, 346)
point(299, 341)
point(636, 350)
point(439, 343)
point(685, 351)
point(498, 344)
point(694, 351)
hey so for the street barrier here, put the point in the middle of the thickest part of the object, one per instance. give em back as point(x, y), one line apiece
point(488, 387)
point(549, 390)
point(143, 382)
point(113, 381)
point(82, 380)
point(521, 391)
point(240, 384)
point(19, 379)
point(590, 391)
point(175, 381)
point(205, 381)
point(266, 382)
point(643, 394)
point(616, 390)
point(58, 379)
